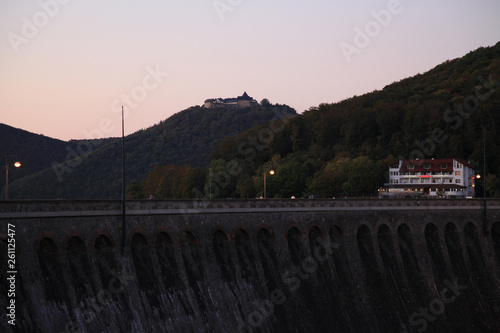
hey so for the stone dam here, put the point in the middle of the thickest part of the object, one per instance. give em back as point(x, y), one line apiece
point(250, 266)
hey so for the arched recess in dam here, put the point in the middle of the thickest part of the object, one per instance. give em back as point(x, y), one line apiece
point(414, 277)
point(327, 288)
point(50, 265)
point(478, 271)
point(300, 278)
point(266, 251)
point(376, 288)
point(222, 253)
point(245, 256)
point(295, 245)
point(433, 244)
point(144, 268)
point(339, 257)
point(191, 256)
point(453, 245)
point(396, 283)
point(324, 272)
point(480, 279)
point(79, 267)
point(193, 267)
point(461, 306)
point(495, 237)
point(107, 263)
point(267, 257)
point(169, 269)
point(342, 278)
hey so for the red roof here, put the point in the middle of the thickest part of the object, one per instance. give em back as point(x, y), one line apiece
point(464, 162)
point(437, 165)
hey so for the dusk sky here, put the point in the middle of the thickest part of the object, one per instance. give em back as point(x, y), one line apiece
point(67, 66)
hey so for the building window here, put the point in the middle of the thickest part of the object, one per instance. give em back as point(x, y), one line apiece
point(410, 166)
point(443, 166)
point(427, 166)
point(457, 173)
point(457, 181)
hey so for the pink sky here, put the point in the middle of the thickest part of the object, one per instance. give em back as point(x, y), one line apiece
point(67, 65)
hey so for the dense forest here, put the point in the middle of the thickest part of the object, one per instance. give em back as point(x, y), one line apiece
point(344, 149)
point(92, 170)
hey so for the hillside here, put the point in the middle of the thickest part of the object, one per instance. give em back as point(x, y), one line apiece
point(344, 149)
point(35, 152)
point(187, 137)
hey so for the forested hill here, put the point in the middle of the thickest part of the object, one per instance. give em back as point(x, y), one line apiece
point(345, 148)
point(187, 137)
point(35, 152)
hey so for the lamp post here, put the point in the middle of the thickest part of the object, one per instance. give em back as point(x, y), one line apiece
point(271, 172)
point(210, 183)
point(485, 214)
point(17, 164)
point(124, 197)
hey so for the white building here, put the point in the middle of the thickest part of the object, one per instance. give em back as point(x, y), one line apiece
point(448, 178)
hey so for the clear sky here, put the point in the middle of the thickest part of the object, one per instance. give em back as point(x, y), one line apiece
point(66, 66)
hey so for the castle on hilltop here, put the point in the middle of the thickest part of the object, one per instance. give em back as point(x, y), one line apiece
point(243, 101)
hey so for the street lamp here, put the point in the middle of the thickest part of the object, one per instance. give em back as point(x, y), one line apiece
point(474, 180)
point(485, 214)
point(17, 164)
point(271, 172)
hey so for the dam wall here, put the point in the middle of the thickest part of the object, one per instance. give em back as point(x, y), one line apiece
point(251, 266)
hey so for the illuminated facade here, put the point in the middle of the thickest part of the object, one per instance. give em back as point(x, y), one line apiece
point(446, 178)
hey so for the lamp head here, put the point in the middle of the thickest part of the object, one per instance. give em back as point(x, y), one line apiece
point(17, 164)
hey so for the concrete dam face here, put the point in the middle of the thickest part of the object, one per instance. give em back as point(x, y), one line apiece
point(250, 266)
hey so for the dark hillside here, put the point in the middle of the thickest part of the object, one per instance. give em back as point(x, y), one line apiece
point(36, 152)
point(185, 138)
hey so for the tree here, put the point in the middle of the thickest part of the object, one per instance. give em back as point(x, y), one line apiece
point(134, 190)
point(328, 182)
point(362, 177)
point(193, 179)
point(290, 180)
point(493, 185)
point(246, 188)
point(221, 182)
point(265, 102)
point(167, 182)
